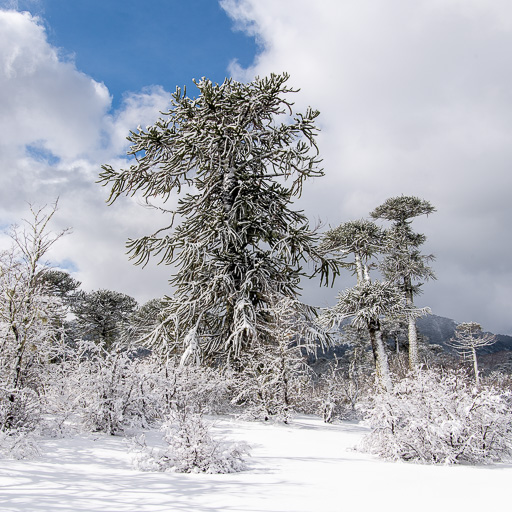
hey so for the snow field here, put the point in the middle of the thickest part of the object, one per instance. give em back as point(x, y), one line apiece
point(307, 466)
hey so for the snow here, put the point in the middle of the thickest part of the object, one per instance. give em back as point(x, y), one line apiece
point(306, 466)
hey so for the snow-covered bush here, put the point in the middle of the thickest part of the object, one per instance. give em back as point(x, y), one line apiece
point(190, 448)
point(20, 415)
point(341, 384)
point(59, 399)
point(340, 390)
point(271, 382)
point(113, 389)
point(20, 410)
point(19, 445)
point(500, 380)
point(117, 389)
point(439, 417)
point(203, 389)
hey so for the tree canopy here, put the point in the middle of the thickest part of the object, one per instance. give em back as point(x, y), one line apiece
point(236, 156)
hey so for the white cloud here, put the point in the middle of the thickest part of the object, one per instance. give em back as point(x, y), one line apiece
point(43, 97)
point(415, 99)
point(56, 131)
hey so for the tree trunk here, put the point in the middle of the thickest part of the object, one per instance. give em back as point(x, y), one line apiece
point(380, 356)
point(414, 358)
point(359, 269)
point(475, 366)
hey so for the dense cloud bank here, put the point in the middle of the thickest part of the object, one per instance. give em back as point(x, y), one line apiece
point(415, 99)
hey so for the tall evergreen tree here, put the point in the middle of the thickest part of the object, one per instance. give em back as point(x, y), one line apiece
point(368, 301)
point(366, 304)
point(360, 239)
point(403, 263)
point(236, 155)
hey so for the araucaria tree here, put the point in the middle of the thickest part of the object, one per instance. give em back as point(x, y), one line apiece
point(403, 263)
point(357, 239)
point(367, 302)
point(103, 315)
point(468, 338)
point(236, 155)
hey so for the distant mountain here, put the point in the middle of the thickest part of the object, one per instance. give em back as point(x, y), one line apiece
point(438, 330)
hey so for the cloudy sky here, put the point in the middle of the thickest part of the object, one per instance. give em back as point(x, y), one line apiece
point(415, 99)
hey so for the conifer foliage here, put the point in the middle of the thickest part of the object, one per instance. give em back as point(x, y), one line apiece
point(236, 155)
point(368, 301)
point(403, 263)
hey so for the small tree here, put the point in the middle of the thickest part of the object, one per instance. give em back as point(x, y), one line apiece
point(468, 338)
point(30, 315)
point(404, 264)
point(103, 315)
point(236, 155)
point(272, 374)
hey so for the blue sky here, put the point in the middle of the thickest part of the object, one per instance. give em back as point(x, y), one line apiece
point(415, 99)
point(128, 44)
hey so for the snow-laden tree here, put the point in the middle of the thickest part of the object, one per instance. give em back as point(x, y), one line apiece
point(368, 301)
point(366, 304)
point(403, 263)
point(468, 338)
point(103, 315)
point(31, 316)
point(236, 156)
point(31, 320)
point(358, 239)
point(62, 285)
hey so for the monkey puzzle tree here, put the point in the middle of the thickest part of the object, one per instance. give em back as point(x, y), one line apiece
point(236, 155)
point(103, 315)
point(468, 338)
point(360, 238)
point(403, 263)
point(366, 302)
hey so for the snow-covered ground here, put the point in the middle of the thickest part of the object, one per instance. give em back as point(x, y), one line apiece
point(306, 466)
